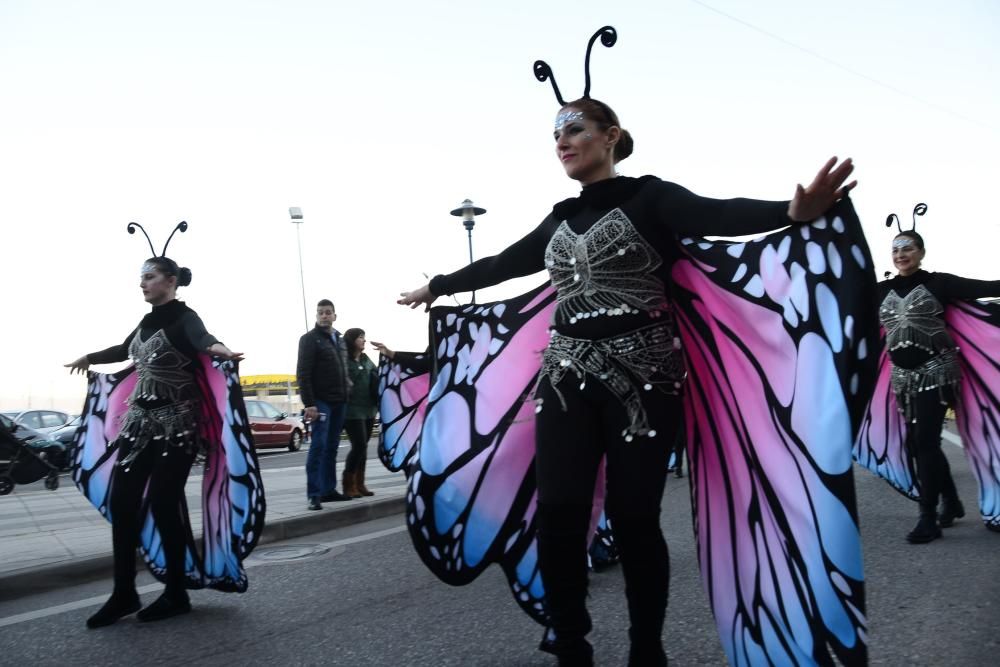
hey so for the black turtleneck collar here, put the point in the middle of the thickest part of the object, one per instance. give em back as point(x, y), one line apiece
point(164, 315)
point(602, 195)
point(916, 277)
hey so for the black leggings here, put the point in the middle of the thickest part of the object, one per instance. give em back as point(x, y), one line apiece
point(166, 476)
point(358, 432)
point(569, 447)
point(924, 440)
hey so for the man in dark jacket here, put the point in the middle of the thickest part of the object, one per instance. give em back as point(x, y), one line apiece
point(324, 387)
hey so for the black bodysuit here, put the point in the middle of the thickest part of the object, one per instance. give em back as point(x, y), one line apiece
point(925, 366)
point(614, 363)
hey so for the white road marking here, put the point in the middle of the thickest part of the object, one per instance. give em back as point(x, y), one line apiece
point(94, 601)
point(952, 438)
point(69, 606)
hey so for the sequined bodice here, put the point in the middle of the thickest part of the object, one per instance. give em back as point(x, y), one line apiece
point(606, 271)
point(160, 369)
point(916, 320)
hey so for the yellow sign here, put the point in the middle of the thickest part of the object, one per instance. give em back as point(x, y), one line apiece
point(253, 380)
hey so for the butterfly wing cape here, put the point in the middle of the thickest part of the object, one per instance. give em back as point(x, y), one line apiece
point(467, 443)
point(881, 443)
point(403, 385)
point(779, 335)
point(232, 489)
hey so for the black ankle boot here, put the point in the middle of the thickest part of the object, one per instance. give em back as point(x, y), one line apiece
point(950, 510)
point(926, 530)
point(165, 606)
point(646, 653)
point(117, 606)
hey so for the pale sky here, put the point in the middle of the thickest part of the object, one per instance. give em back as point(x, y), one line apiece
point(378, 118)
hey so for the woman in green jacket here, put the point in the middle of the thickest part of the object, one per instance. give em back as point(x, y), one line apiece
point(361, 408)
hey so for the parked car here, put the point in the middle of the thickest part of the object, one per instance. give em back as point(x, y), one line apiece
point(44, 421)
point(65, 433)
point(273, 428)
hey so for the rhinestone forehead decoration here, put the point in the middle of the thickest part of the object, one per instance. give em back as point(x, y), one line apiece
point(567, 117)
point(904, 242)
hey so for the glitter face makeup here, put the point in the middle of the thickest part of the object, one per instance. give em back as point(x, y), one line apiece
point(567, 117)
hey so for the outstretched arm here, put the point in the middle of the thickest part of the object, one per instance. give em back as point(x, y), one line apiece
point(523, 258)
point(968, 288)
point(686, 213)
point(106, 356)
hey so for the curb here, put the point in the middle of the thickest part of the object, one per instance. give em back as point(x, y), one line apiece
point(37, 579)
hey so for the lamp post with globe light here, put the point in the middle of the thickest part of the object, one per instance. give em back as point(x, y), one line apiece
point(468, 212)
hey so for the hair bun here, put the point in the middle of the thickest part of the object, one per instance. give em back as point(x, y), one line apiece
point(624, 146)
point(183, 276)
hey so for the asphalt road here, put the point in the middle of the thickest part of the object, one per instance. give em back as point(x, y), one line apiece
point(367, 600)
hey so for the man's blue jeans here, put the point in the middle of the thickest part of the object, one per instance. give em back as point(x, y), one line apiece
point(321, 463)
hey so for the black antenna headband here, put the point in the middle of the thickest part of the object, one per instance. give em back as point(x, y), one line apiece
point(182, 226)
point(919, 209)
point(544, 73)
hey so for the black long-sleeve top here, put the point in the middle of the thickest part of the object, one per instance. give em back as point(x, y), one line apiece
point(182, 325)
point(185, 332)
point(660, 212)
point(945, 288)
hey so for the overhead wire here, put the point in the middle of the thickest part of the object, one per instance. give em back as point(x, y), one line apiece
point(845, 68)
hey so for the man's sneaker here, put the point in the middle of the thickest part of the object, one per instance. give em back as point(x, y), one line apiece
point(314, 503)
point(334, 496)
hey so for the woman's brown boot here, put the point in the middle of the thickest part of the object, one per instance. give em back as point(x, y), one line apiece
point(359, 477)
point(349, 486)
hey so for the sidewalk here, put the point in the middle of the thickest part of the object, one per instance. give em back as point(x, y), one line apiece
point(54, 538)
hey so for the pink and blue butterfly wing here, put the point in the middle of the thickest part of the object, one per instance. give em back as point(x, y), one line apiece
point(403, 389)
point(778, 334)
point(471, 490)
point(94, 448)
point(975, 326)
point(880, 445)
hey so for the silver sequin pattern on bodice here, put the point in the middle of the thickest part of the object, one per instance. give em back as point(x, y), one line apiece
point(608, 270)
point(161, 376)
point(160, 369)
point(916, 319)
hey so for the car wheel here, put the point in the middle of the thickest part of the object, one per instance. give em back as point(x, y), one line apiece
point(295, 444)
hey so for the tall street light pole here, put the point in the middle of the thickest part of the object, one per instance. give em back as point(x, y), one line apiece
point(468, 212)
point(296, 215)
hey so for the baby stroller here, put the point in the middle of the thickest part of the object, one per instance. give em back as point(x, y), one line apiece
point(23, 461)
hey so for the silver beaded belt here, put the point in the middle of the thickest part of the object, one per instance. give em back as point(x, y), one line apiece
point(627, 364)
point(938, 372)
point(174, 423)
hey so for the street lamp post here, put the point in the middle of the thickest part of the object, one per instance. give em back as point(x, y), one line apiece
point(296, 215)
point(468, 212)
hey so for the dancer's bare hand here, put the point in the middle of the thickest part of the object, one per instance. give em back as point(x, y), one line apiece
point(826, 189)
point(220, 350)
point(421, 295)
point(79, 366)
point(383, 350)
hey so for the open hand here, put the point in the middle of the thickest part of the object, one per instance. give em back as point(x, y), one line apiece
point(79, 366)
point(383, 350)
point(223, 352)
point(421, 295)
point(826, 189)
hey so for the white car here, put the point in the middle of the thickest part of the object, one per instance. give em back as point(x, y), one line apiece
point(43, 421)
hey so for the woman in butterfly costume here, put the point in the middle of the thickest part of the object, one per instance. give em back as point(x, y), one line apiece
point(613, 371)
point(940, 350)
point(141, 432)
